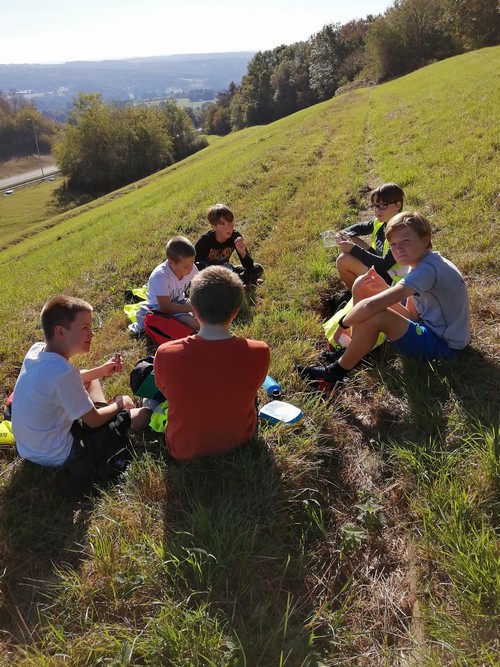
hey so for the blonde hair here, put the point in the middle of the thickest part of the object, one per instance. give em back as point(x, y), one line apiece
point(415, 221)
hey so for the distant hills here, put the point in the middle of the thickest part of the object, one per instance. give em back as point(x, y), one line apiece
point(196, 76)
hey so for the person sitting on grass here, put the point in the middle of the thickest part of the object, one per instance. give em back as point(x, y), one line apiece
point(50, 394)
point(211, 379)
point(216, 246)
point(434, 323)
point(167, 285)
point(357, 256)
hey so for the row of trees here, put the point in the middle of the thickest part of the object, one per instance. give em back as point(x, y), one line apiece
point(410, 34)
point(103, 147)
point(290, 78)
point(16, 129)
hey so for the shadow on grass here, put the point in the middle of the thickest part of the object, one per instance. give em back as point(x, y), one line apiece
point(433, 394)
point(38, 532)
point(437, 392)
point(229, 530)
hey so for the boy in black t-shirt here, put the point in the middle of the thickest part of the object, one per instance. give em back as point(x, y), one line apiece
point(216, 246)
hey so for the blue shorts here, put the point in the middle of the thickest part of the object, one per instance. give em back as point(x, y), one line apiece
point(420, 342)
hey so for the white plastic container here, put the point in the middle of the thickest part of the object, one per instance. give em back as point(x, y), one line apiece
point(279, 411)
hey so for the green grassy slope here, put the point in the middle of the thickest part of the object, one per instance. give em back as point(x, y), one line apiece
point(267, 558)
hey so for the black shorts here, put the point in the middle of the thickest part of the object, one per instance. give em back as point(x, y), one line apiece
point(101, 452)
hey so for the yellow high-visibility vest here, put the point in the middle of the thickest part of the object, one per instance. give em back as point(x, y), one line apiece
point(397, 271)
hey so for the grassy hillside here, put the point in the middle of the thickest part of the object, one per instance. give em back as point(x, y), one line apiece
point(367, 535)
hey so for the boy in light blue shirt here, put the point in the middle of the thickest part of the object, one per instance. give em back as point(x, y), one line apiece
point(434, 323)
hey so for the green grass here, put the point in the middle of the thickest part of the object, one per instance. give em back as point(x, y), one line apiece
point(368, 534)
point(27, 210)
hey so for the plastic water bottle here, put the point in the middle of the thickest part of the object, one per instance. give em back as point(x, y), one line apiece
point(272, 387)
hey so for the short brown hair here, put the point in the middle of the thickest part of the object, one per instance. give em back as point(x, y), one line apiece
point(216, 294)
point(179, 247)
point(415, 221)
point(217, 212)
point(387, 193)
point(61, 310)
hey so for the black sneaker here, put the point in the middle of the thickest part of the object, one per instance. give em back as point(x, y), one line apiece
point(310, 372)
point(315, 377)
point(330, 356)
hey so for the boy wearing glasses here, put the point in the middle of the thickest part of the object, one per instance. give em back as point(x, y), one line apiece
point(357, 256)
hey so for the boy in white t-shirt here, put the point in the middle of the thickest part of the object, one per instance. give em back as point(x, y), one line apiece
point(51, 394)
point(168, 283)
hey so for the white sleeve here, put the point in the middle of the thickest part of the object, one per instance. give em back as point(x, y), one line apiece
point(72, 395)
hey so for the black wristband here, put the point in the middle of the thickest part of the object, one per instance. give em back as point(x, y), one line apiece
point(341, 323)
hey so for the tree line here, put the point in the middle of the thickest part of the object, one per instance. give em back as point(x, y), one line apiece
point(17, 120)
point(409, 35)
point(103, 147)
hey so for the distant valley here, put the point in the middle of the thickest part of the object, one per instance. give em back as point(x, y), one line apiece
point(51, 88)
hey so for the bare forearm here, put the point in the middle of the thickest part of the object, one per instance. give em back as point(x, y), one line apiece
point(175, 308)
point(388, 298)
point(92, 374)
point(98, 416)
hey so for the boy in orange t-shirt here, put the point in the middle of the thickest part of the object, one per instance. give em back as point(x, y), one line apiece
point(211, 379)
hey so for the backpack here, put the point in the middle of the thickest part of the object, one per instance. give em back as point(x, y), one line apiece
point(162, 328)
point(142, 380)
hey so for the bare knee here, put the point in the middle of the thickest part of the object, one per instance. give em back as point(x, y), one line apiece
point(360, 290)
point(343, 261)
point(349, 268)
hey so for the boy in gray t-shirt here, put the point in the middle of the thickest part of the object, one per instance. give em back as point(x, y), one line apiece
point(434, 323)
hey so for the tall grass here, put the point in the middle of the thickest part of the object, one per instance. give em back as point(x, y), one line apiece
point(366, 535)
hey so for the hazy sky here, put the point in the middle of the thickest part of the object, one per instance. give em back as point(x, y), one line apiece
point(44, 31)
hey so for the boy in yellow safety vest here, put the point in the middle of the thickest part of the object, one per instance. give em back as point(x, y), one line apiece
point(357, 256)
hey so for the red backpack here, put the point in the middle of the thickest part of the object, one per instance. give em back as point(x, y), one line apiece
point(162, 328)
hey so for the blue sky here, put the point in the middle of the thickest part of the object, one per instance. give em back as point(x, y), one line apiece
point(65, 30)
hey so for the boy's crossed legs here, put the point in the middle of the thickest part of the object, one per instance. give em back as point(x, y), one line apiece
point(393, 321)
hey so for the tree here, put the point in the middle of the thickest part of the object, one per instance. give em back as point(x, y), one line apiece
point(105, 147)
point(217, 116)
point(16, 129)
point(410, 35)
point(180, 128)
point(352, 37)
point(472, 23)
point(290, 80)
point(325, 59)
point(257, 91)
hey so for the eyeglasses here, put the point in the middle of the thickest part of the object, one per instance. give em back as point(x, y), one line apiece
point(382, 207)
